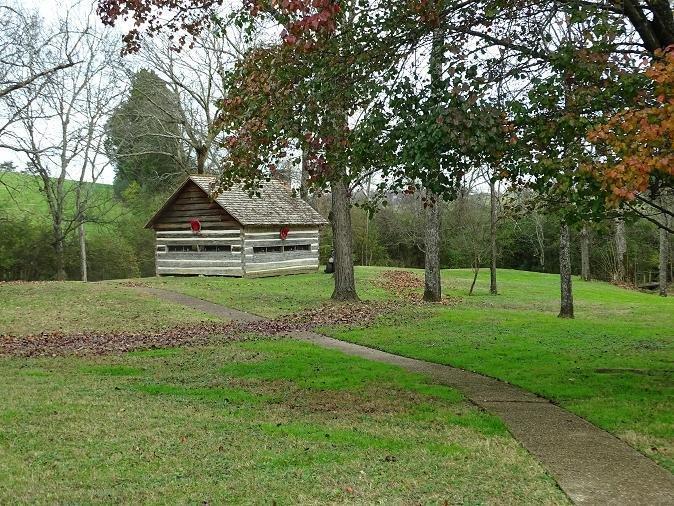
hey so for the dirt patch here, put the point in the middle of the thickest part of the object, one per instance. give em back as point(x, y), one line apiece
point(97, 343)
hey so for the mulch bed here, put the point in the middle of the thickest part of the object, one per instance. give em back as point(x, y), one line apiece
point(99, 343)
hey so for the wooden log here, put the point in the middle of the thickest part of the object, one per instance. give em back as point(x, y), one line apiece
point(233, 232)
point(205, 225)
point(188, 213)
point(207, 271)
point(260, 266)
point(198, 263)
point(186, 219)
point(281, 272)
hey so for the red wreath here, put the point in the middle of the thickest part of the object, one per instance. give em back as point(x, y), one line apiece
point(195, 225)
point(283, 234)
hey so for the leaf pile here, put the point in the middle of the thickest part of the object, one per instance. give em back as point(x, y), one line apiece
point(99, 343)
point(403, 284)
point(408, 287)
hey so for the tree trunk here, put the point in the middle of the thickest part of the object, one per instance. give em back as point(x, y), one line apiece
point(566, 310)
point(340, 217)
point(83, 251)
point(304, 176)
point(621, 250)
point(59, 249)
point(493, 288)
point(476, 271)
point(664, 261)
point(202, 155)
point(432, 284)
point(585, 253)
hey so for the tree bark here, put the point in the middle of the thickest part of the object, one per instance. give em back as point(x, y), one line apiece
point(59, 249)
point(202, 155)
point(664, 254)
point(493, 288)
point(585, 253)
point(621, 249)
point(566, 310)
point(83, 251)
point(432, 284)
point(304, 176)
point(340, 218)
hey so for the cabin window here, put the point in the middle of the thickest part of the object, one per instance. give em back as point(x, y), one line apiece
point(216, 248)
point(267, 249)
point(279, 249)
point(297, 247)
point(182, 248)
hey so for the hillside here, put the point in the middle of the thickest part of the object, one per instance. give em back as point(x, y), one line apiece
point(20, 197)
point(25, 223)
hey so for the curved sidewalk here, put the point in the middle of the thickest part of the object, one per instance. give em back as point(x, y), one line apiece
point(590, 465)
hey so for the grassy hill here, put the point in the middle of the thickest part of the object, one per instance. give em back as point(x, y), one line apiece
point(236, 422)
point(117, 244)
point(613, 364)
point(20, 197)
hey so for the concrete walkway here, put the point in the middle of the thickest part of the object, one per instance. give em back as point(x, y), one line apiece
point(590, 465)
point(200, 305)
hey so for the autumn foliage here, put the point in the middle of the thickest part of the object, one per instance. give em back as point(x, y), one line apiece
point(638, 143)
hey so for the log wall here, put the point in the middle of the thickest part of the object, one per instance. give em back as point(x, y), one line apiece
point(279, 262)
point(209, 263)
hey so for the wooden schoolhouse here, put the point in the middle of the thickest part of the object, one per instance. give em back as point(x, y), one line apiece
point(201, 230)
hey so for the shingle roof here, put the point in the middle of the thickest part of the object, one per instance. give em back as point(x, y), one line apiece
point(275, 206)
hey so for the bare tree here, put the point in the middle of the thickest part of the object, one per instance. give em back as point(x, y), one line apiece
point(473, 230)
point(60, 131)
point(22, 44)
point(197, 76)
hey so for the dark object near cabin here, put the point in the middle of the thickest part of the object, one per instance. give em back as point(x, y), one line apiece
point(330, 264)
point(203, 230)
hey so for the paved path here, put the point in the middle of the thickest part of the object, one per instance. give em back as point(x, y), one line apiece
point(589, 464)
point(199, 304)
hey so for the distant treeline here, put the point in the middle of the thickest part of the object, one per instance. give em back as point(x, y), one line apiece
point(119, 247)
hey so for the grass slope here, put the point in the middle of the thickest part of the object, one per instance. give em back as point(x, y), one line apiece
point(52, 306)
point(613, 364)
point(20, 196)
point(273, 296)
point(278, 422)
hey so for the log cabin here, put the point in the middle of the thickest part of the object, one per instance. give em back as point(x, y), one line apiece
point(201, 230)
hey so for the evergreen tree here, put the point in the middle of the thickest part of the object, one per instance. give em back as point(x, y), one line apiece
point(144, 136)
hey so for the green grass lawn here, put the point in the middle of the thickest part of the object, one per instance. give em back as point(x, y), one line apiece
point(613, 364)
point(270, 297)
point(269, 421)
point(52, 306)
point(286, 421)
